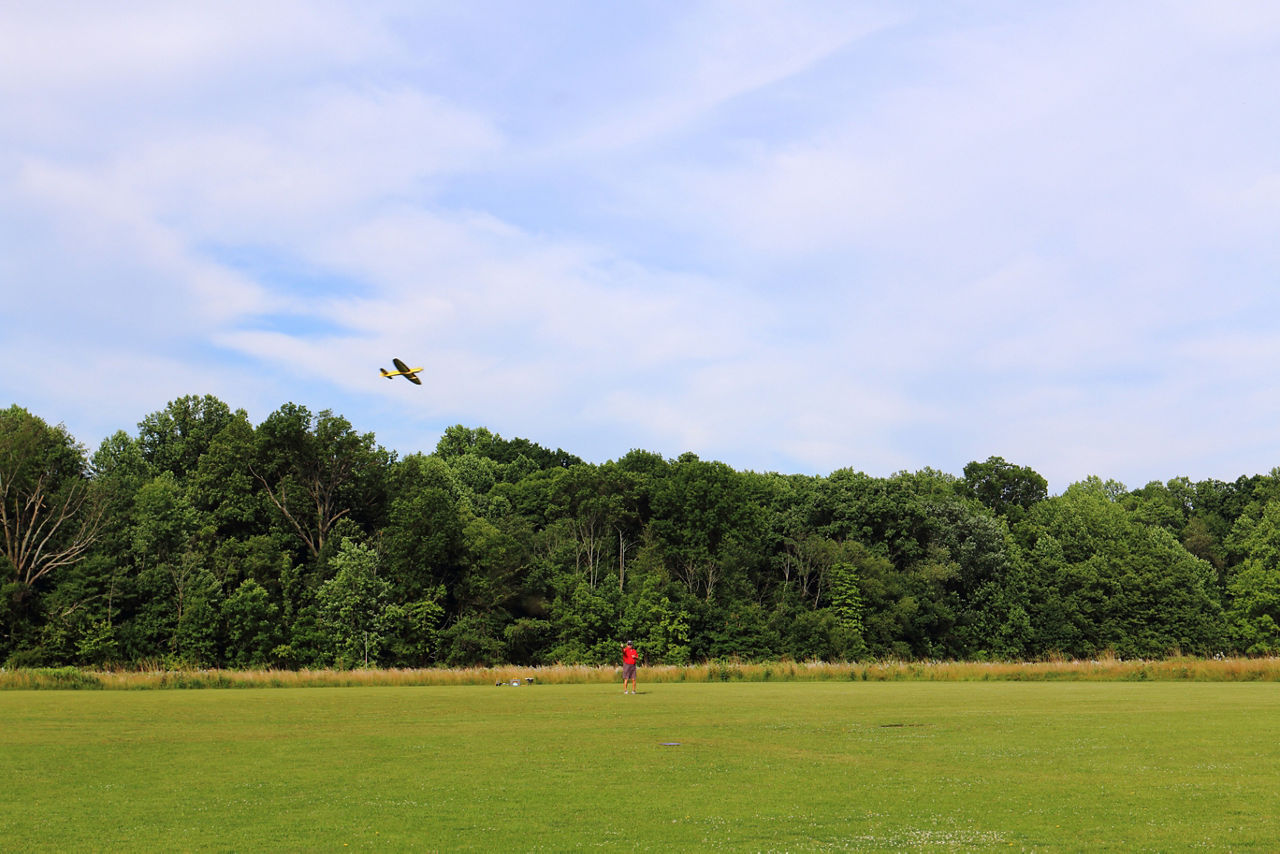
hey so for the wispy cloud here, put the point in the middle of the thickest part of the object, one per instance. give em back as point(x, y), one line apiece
point(789, 235)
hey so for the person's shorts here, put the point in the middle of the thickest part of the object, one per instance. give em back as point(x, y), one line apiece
point(628, 671)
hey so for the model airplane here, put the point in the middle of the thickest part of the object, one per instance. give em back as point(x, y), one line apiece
point(403, 370)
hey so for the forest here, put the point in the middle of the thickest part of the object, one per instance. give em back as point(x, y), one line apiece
point(205, 541)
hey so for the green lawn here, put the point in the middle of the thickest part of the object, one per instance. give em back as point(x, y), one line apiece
point(760, 767)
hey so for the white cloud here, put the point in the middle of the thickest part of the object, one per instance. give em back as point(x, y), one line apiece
point(67, 48)
point(791, 236)
point(717, 52)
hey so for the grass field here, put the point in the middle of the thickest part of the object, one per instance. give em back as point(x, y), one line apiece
point(1076, 766)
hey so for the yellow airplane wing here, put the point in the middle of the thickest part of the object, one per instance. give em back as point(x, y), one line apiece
point(402, 370)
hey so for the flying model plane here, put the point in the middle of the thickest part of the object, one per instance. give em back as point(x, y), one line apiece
point(403, 370)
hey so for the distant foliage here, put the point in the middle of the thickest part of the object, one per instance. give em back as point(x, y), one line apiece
point(206, 541)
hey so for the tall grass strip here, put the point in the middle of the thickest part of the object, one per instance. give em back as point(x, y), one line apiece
point(1099, 670)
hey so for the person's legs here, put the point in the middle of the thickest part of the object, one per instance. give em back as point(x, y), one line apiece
point(628, 677)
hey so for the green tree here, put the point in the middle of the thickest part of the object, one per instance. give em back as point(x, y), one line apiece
point(1254, 592)
point(49, 513)
point(97, 646)
point(1009, 490)
point(175, 438)
point(196, 640)
point(222, 486)
point(1169, 506)
point(475, 639)
point(987, 586)
point(480, 442)
point(584, 622)
point(414, 630)
point(169, 573)
point(318, 470)
point(102, 588)
point(252, 625)
point(352, 606)
point(423, 540)
point(1099, 579)
point(590, 501)
point(660, 616)
point(846, 604)
point(705, 520)
point(741, 629)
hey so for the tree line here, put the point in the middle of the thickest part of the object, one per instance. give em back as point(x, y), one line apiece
point(203, 540)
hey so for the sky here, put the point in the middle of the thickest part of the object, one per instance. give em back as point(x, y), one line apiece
point(790, 236)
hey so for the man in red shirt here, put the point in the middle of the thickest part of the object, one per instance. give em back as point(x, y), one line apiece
point(629, 658)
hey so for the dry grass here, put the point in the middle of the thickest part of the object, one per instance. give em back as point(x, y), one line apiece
point(1102, 669)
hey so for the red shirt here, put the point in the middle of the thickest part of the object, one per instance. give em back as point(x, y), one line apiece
point(629, 655)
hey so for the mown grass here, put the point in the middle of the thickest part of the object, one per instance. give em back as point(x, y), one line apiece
point(804, 766)
point(1105, 669)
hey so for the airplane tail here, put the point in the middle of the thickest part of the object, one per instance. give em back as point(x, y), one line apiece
point(384, 373)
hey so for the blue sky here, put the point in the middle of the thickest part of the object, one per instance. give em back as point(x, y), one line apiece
point(790, 236)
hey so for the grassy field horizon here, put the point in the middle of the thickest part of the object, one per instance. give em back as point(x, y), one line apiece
point(695, 766)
